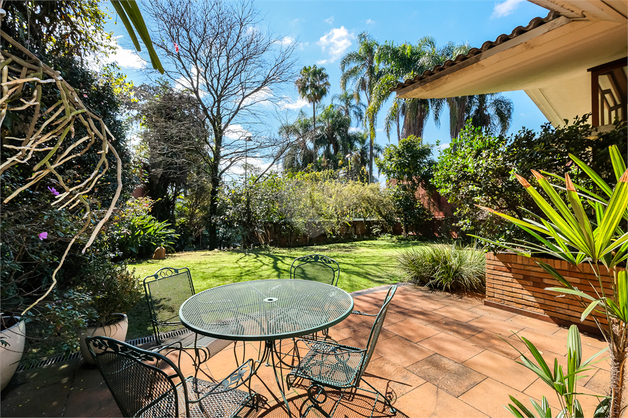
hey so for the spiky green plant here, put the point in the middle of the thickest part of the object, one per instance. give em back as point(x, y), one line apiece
point(593, 235)
point(445, 267)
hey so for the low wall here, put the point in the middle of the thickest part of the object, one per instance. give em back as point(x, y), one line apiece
point(518, 283)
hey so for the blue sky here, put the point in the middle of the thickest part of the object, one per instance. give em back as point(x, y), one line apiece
point(326, 30)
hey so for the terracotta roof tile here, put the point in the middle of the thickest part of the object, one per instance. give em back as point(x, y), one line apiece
point(519, 30)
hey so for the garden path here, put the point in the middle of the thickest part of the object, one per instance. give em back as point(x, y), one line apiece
point(441, 356)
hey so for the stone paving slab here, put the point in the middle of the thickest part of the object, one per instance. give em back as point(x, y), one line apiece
point(439, 355)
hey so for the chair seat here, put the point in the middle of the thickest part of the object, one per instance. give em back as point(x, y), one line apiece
point(219, 405)
point(333, 365)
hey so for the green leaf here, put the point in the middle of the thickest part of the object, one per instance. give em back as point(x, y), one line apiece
point(522, 407)
point(619, 166)
point(592, 174)
point(613, 215)
point(603, 408)
point(555, 274)
point(589, 309)
point(571, 292)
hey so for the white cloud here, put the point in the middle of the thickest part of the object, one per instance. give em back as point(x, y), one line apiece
point(329, 20)
point(236, 132)
point(287, 41)
point(238, 169)
point(355, 129)
point(443, 146)
point(370, 21)
point(288, 103)
point(505, 8)
point(183, 83)
point(335, 42)
point(259, 97)
point(125, 58)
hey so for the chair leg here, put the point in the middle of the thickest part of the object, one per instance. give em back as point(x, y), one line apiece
point(387, 401)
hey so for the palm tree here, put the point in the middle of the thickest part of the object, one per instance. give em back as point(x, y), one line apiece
point(349, 106)
point(359, 67)
point(312, 86)
point(401, 62)
point(490, 111)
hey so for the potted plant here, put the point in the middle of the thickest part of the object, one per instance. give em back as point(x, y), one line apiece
point(12, 336)
point(113, 290)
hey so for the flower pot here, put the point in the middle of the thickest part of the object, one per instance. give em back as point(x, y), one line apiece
point(117, 331)
point(11, 354)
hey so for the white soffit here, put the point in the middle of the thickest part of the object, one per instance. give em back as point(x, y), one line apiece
point(548, 54)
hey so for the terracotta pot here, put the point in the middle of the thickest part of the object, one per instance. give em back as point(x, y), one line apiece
point(117, 331)
point(10, 355)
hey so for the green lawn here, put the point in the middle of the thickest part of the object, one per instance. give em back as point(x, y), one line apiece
point(363, 265)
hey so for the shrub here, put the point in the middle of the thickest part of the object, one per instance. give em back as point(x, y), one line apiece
point(445, 267)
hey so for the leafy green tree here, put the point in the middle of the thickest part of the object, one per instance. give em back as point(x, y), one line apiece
point(359, 67)
point(313, 85)
point(410, 165)
point(492, 112)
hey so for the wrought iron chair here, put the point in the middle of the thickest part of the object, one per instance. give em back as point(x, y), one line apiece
point(316, 267)
point(165, 291)
point(339, 366)
point(148, 384)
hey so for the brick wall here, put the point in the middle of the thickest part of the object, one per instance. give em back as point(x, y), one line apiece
point(518, 283)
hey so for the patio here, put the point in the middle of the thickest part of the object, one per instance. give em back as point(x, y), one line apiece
point(439, 355)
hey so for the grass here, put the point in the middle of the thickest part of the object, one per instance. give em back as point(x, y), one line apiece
point(363, 265)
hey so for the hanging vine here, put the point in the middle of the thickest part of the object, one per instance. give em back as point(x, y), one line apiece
point(49, 141)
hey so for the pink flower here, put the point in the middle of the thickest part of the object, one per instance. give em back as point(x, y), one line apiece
point(84, 95)
point(176, 48)
point(43, 236)
point(53, 191)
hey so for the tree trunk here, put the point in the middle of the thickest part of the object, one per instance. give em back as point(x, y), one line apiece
point(215, 183)
point(618, 367)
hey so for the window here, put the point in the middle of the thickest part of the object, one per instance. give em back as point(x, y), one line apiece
point(609, 92)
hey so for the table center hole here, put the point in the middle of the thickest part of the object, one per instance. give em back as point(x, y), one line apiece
point(270, 300)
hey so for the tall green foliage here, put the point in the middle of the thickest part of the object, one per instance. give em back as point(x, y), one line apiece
point(409, 165)
point(313, 85)
point(479, 169)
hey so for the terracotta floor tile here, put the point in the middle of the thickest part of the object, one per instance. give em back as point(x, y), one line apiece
point(429, 401)
point(599, 382)
point(457, 313)
point(446, 374)
point(401, 351)
point(424, 316)
point(535, 324)
point(493, 342)
point(503, 369)
point(451, 347)
point(545, 343)
point(589, 351)
point(490, 397)
point(411, 329)
point(492, 312)
point(360, 334)
point(388, 377)
point(462, 330)
point(496, 325)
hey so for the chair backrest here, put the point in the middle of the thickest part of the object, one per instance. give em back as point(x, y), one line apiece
point(137, 379)
point(375, 330)
point(166, 290)
point(316, 267)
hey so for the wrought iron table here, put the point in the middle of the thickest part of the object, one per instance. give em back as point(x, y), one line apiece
point(266, 311)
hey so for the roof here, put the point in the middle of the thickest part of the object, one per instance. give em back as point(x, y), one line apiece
point(518, 31)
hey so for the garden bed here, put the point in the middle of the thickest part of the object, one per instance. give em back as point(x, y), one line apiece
point(518, 284)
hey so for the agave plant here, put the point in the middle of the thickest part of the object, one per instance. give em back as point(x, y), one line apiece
point(567, 232)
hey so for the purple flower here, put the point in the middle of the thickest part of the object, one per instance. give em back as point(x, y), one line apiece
point(43, 236)
point(53, 191)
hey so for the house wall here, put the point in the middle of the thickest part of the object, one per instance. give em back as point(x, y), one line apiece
point(518, 283)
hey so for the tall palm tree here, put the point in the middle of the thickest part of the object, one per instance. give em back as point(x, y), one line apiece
point(401, 62)
point(490, 111)
point(313, 85)
point(360, 68)
point(349, 106)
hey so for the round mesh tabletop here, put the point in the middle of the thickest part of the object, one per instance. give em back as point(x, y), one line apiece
point(265, 309)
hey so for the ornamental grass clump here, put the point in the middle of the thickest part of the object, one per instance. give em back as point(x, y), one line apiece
point(445, 267)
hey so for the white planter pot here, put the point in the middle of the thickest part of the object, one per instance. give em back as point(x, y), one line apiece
point(116, 331)
point(10, 355)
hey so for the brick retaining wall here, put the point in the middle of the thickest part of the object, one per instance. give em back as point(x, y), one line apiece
point(518, 284)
